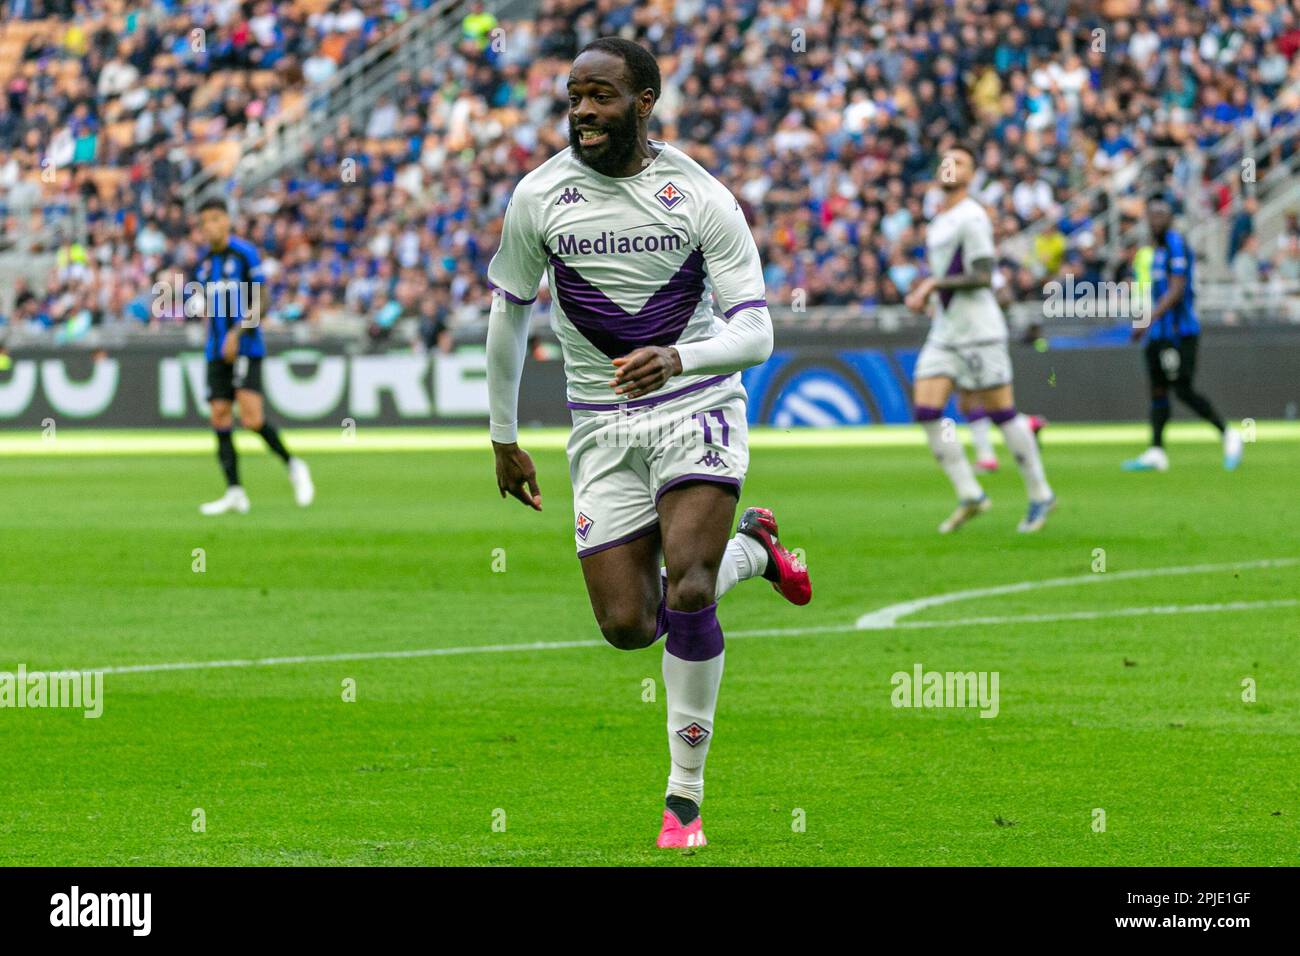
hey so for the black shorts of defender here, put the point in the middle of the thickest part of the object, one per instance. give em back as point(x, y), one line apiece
point(1171, 364)
point(225, 378)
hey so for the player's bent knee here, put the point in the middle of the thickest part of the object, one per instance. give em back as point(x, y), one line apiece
point(694, 590)
point(627, 627)
point(629, 635)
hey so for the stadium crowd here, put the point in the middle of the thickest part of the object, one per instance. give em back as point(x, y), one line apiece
point(825, 118)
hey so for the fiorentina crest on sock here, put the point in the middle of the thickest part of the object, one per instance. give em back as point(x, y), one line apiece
point(693, 734)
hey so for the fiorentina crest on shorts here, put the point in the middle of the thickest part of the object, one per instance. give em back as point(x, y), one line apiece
point(670, 196)
point(583, 526)
point(693, 734)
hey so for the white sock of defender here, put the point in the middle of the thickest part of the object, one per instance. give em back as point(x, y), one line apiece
point(1020, 441)
point(950, 454)
point(693, 657)
point(981, 437)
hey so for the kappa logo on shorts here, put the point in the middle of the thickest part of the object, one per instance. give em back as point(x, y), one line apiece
point(670, 196)
point(711, 458)
point(693, 734)
point(583, 526)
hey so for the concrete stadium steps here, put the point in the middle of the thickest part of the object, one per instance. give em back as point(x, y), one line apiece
point(14, 37)
point(351, 92)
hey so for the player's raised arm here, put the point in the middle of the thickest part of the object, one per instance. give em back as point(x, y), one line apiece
point(731, 259)
point(514, 273)
point(736, 273)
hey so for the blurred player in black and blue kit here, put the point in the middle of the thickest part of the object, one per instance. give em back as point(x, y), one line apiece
point(230, 271)
point(1173, 335)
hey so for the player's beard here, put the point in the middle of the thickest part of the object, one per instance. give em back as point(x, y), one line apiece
point(612, 157)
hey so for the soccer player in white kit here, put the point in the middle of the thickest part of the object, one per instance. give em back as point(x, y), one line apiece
point(967, 348)
point(636, 240)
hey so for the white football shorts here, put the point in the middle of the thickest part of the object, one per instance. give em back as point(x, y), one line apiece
point(622, 458)
point(973, 367)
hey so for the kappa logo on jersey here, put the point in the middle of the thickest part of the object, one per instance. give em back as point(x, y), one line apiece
point(710, 458)
point(570, 196)
point(583, 526)
point(670, 196)
point(693, 734)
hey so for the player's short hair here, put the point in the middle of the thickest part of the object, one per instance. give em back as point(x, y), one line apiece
point(641, 65)
point(214, 203)
point(967, 148)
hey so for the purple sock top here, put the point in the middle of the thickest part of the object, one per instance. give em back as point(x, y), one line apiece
point(1003, 416)
point(694, 635)
point(925, 413)
point(975, 414)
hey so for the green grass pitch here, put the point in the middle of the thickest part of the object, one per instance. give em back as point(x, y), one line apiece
point(553, 755)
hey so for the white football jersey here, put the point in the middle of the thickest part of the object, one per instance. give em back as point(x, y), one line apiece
point(953, 240)
point(631, 261)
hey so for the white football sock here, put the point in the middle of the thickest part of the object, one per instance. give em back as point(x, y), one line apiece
point(744, 558)
point(692, 688)
point(1020, 441)
point(952, 458)
point(981, 438)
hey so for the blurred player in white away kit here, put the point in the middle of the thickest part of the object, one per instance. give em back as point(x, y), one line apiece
point(636, 240)
point(967, 348)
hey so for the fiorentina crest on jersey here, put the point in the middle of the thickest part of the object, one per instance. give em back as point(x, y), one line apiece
point(670, 196)
point(693, 734)
point(583, 526)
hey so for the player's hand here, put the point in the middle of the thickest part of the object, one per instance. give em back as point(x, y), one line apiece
point(642, 371)
point(516, 474)
point(230, 346)
point(917, 299)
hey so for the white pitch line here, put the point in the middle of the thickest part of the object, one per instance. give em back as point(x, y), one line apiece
point(1096, 615)
point(327, 658)
point(887, 617)
point(769, 632)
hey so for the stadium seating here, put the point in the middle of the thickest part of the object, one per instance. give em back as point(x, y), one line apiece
point(832, 157)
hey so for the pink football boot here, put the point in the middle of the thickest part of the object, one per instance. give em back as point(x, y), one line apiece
point(674, 836)
point(787, 573)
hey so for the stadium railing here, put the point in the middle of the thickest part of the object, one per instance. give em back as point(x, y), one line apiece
point(281, 143)
point(1224, 161)
point(351, 92)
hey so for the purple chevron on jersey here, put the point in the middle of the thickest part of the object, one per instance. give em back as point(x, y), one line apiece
point(955, 268)
point(615, 331)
